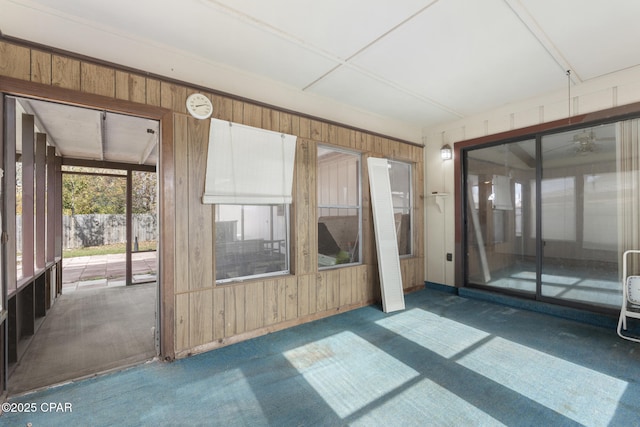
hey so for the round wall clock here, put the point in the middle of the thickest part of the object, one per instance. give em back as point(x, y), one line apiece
point(199, 106)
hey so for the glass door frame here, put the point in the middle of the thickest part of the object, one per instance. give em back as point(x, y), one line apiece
point(536, 132)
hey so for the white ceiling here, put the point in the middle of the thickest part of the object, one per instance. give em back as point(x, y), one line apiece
point(81, 133)
point(396, 67)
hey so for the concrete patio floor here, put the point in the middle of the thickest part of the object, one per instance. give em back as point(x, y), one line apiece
point(99, 271)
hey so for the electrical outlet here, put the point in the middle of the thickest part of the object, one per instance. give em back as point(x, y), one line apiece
point(449, 256)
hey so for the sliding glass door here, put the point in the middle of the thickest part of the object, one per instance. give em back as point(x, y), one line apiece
point(579, 216)
point(550, 217)
point(499, 193)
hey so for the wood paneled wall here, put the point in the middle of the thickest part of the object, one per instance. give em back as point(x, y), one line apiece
point(206, 315)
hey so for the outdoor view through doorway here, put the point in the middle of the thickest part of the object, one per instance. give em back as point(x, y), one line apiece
point(104, 315)
point(96, 228)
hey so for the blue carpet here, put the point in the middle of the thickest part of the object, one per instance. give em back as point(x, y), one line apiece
point(445, 360)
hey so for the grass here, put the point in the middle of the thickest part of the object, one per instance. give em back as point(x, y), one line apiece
point(117, 248)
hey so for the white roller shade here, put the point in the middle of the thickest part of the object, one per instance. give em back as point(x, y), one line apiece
point(248, 165)
point(502, 193)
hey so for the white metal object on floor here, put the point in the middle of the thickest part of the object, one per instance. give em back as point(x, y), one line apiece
point(630, 298)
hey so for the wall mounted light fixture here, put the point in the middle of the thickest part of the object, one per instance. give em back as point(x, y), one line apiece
point(446, 153)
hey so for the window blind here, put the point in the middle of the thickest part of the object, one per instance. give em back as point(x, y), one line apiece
point(248, 165)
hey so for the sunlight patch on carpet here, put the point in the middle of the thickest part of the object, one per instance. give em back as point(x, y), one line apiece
point(567, 388)
point(348, 372)
point(443, 336)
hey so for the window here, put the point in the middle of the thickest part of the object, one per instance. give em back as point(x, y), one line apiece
point(251, 241)
point(402, 197)
point(252, 194)
point(339, 207)
point(558, 198)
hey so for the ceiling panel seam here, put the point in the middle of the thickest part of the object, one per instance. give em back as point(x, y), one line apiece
point(340, 62)
point(264, 26)
point(541, 36)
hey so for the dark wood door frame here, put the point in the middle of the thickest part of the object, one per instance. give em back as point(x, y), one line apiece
point(166, 182)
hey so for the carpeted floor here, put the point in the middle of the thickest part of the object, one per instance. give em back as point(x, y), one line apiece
point(444, 361)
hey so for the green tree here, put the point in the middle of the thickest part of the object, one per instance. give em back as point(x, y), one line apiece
point(144, 192)
point(93, 194)
point(87, 192)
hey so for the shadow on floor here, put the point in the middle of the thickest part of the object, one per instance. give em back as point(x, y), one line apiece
point(445, 360)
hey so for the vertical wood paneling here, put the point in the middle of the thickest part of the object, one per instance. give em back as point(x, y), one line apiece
point(271, 302)
point(305, 128)
point(230, 315)
point(40, 67)
point(65, 72)
point(222, 108)
point(220, 313)
point(181, 214)
point(15, 61)
point(173, 97)
point(200, 216)
point(282, 300)
point(238, 111)
point(130, 87)
point(271, 119)
point(97, 80)
point(321, 291)
point(154, 92)
point(346, 283)
point(200, 317)
point(332, 280)
point(254, 309)
point(252, 115)
point(365, 286)
point(291, 295)
point(303, 295)
point(345, 136)
point(240, 292)
point(332, 135)
point(286, 124)
point(315, 129)
point(274, 301)
point(182, 322)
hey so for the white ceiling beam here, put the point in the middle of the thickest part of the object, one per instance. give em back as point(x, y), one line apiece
point(28, 108)
point(545, 41)
point(151, 144)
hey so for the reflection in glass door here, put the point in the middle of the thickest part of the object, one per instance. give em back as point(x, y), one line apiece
point(500, 186)
point(551, 217)
point(580, 214)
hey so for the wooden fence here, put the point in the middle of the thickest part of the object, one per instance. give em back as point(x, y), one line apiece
point(100, 229)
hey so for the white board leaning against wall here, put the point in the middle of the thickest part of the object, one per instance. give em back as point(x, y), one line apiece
point(385, 233)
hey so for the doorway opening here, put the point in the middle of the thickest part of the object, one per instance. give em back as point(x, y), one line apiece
point(97, 217)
